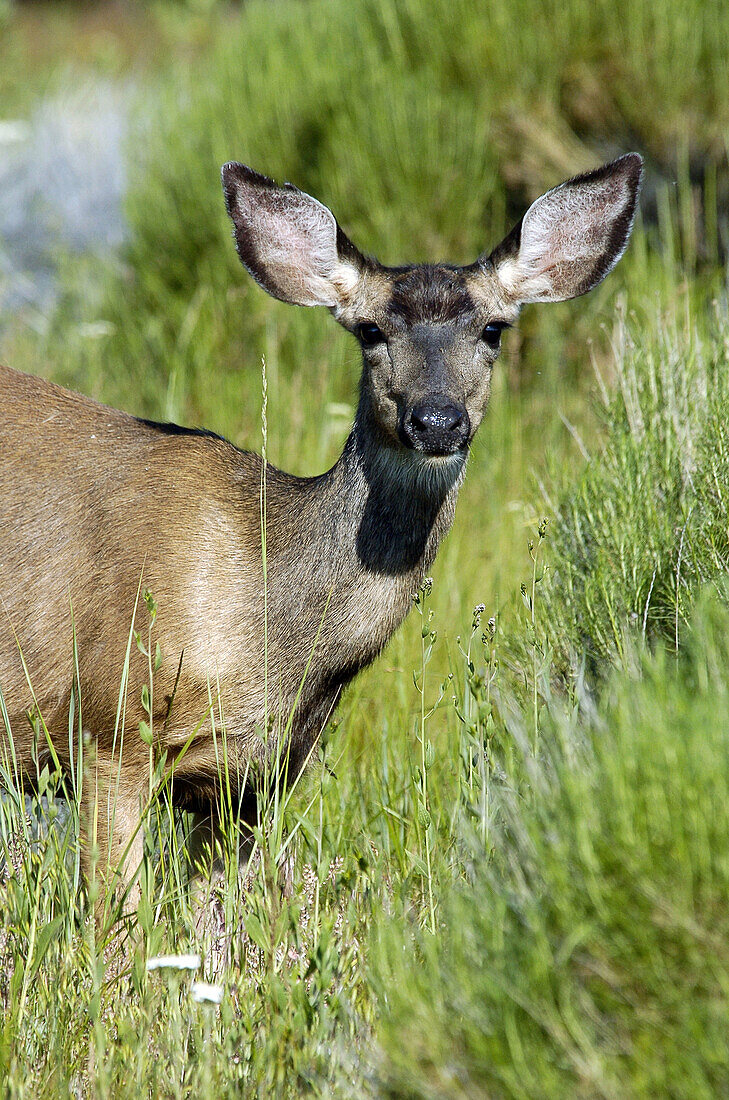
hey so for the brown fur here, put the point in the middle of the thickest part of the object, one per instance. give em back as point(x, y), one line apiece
point(96, 505)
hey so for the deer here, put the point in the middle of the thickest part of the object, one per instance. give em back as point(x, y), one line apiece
point(97, 505)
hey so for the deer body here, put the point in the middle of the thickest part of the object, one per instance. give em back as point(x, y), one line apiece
point(96, 505)
point(203, 565)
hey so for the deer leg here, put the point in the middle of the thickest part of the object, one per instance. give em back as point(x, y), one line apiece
point(206, 845)
point(112, 843)
point(205, 848)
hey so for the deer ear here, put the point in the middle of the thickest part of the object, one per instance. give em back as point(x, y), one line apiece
point(570, 238)
point(290, 243)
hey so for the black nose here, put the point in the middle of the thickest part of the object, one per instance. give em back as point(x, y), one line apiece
point(438, 426)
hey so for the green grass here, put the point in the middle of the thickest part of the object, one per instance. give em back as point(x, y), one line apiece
point(584, 951)
point(560, 817)
point(644, 526)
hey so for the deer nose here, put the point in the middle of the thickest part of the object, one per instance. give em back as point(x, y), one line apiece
point(438, 426)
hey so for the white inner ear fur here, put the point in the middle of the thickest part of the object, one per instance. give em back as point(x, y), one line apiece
point(567, 228)
point(296, 242)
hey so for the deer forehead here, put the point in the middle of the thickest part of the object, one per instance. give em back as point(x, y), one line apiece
point(424, 294)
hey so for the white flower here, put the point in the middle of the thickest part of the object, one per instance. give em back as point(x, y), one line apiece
point(205, 992)
point(174, 962)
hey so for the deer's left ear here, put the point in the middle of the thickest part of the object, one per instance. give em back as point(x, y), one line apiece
point(570, 238)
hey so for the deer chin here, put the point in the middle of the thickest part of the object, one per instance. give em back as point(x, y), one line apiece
point(434, 472)
point(433, 461)
point(438, 457)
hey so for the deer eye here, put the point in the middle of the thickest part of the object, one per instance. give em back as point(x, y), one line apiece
point(491, 334)
point(369, 334)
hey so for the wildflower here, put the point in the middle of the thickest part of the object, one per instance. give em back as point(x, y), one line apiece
point(174, 962)
point(206, 993)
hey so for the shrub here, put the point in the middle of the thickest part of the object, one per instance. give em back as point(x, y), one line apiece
point(588, 955)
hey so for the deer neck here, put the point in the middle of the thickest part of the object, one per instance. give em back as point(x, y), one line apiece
point(399, 503)
point(347, 551)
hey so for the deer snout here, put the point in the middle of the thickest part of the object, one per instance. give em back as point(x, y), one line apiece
point(438, 426)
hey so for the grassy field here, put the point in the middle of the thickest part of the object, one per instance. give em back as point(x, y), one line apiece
point(510, 862)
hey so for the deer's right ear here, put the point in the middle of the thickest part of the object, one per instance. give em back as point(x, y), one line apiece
point(289, 242)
